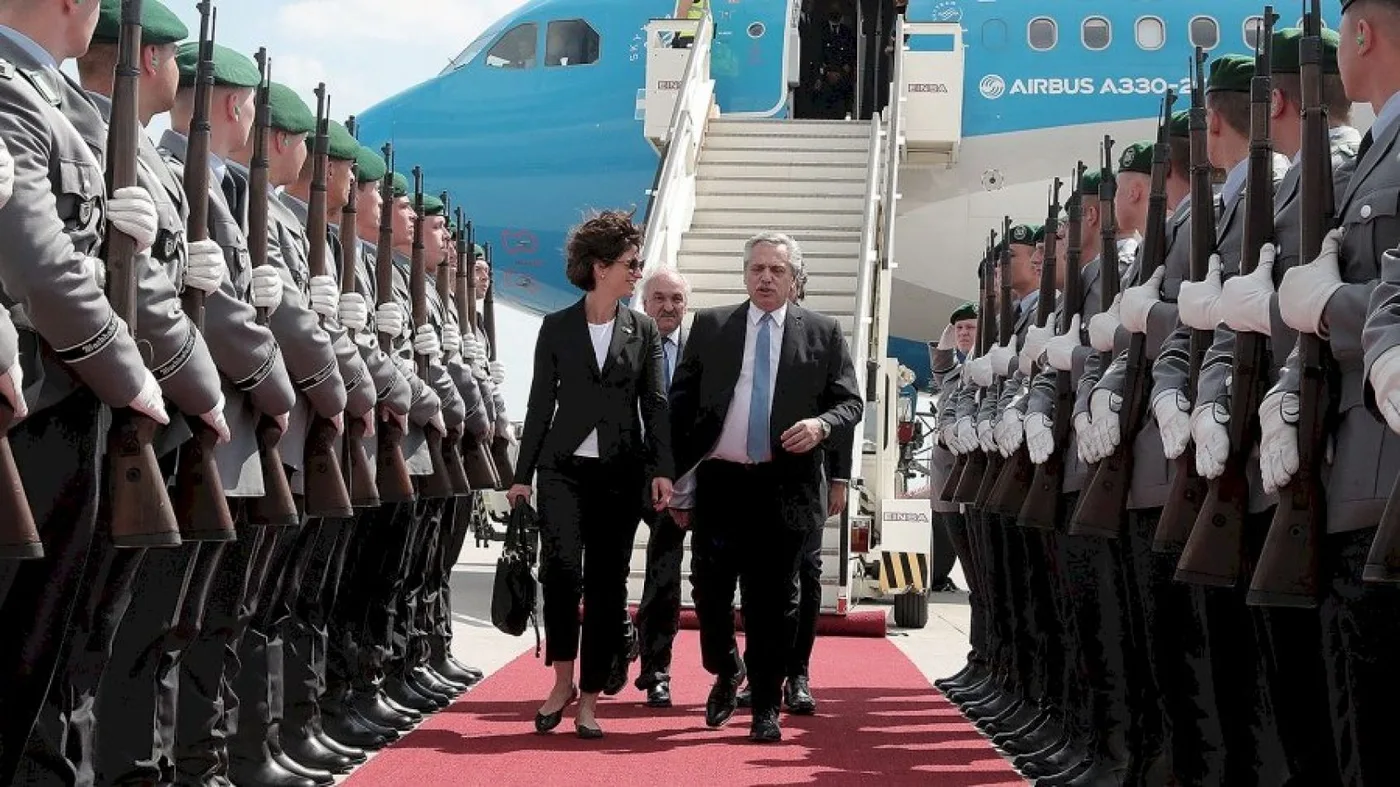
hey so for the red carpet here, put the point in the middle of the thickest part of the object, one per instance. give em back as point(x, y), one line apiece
point(856, 623)
point(879, 723)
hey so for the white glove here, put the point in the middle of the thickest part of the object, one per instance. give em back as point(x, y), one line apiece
point(948, 435)
point(1138, 302)
point(206, 267)
point(1009, 431)
point(97, 269)
point(1040, 439)
point(215, 419)
point(1104, 427)
point(451, 340)
point(267, 288)
point(471, 347)
point(1246, 301)
point(1171, 409)
point(389, 319)
point(480, 356)
point(1002, 357)
point(132, 211)
point(498, 373)
point(1303, 295)
point(1199, 301)
point(12, 390)
point(1081, 435)
point(948, 340)
point(325, 296)
point(967, 435)
point(986, 439)
point(1036, 339)
point(1059, 352)
point(7, 176)
point(1212, 436)
point(1278, 443)
point(979, 370)
point(1103, 328)
point(1385, 378)
point(353, 313)
point(150, 401)
point(426, 342)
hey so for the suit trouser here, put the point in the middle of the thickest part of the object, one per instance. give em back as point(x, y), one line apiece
point(1360, 637)
point(57, 452)
point(588, 511)
point(809, 605)
point(658, 615)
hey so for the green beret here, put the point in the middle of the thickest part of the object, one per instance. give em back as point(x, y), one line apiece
point(343, 147)
point(478, 252)
point(1136, 157)
point(159, 25)
point(370, 166)
point(1024, 234)
point(231, 68)
point(967, 311)
point(1287, 53)
point(289, 112)
point(432, 206)
point(1040, 234)
point(400, 186)
point(1089, 184)
point(1180, 125)
point(1230, 74)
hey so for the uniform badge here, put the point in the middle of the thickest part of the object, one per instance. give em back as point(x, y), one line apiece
point(85, 212)
point(1126, 158)
point(169, 246)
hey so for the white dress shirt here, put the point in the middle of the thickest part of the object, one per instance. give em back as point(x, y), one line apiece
point(602, 339)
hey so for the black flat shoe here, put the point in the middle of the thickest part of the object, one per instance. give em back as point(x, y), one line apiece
point(544, 722)
point(588, 733)
point(659, 696)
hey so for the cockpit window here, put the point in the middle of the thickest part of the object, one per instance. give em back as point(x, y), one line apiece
point(1205, 32)
point(1042, 33)
point(516, 48)
point(571, 42)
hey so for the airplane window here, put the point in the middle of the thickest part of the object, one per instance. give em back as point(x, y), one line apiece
point(1300, 24)
point(1096, 33)
point(1042, 33)
point(572, 42)
point(516, 48)
point(1253, 26)
point(994, 34)
point(1205, 32)
point(1151, 33)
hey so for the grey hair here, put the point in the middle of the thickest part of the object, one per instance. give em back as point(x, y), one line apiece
point(781, 240)
point(645, 290)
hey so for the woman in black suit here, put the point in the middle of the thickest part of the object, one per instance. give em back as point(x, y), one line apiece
point(600, 364)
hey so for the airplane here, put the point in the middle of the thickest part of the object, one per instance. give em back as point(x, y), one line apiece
point(540, 119)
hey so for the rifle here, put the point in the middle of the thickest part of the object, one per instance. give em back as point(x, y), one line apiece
point(277, 507)
point(500, 444)
point(1215, 550)
point(439, 484)
point(481, 468)
point(198, 498)
point(1042, 506)
point(359, 471)
point(1188, 488)
point(452, 443)
point(1104, 500)
point(971, 479)
point(1015, 482)
point(324, 482)
point(1288, 570)
point(1005, 330)
point(395, 481)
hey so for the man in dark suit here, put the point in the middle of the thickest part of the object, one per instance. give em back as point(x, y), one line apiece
point(761, 387)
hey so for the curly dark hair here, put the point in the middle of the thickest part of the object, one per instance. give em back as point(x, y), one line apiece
point(602, 238)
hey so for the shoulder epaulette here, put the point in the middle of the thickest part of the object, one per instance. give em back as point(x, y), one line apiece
point(7, 70)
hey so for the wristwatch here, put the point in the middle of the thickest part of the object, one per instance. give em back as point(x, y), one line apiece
point(826, 429)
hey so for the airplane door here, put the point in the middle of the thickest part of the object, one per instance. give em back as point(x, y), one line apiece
point(749, 58)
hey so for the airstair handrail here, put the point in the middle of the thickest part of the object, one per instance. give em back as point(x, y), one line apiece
point(895, 114)
point(865, 273)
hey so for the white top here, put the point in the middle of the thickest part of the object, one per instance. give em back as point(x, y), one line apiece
point(602, 338)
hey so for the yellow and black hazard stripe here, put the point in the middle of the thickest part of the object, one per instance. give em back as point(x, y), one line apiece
point(900, 571)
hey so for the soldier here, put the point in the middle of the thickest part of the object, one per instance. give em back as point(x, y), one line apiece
point(1326, 298)
point(77, 353)
point(257, 385)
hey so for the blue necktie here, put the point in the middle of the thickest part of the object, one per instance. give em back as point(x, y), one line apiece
point(761, 398)
point(666, 362)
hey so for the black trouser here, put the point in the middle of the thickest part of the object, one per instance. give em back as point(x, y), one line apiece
point(409, 646)
point(348, 641)
point(809, 605)
point(942, 552)
point(373, 596)
point(740, 538)
point(57, 452)
point(1360, 637)
point(306, 636)
point(658, 615)
point(446, 559)
point(962, 538)
point(586, 506)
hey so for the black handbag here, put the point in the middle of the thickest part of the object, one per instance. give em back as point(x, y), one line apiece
point(514, 597)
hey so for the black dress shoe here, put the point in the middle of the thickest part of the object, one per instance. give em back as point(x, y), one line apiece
point(659, 695)
point(373, 707)
point(394, 706)
point(427, 684)
point(347, 728)
point(544, 722)
point(435, 681)
point(765, 727)
point(447, 669)
point(400, 691)
point(723, 699)
point(309, 751)
point(588, 733)
point(797, 697)
point(354, 754)
point(471, 672)
point(319, 777)
point(260, 769)
point(952, 680)
point(744, 699)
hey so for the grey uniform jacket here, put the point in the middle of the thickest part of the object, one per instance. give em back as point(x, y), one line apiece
point(480, 410)
point(1367, 454)
point(491, 393)
point(9, 341)
point(390, 387)
point(69, 337)
point(255, 377)
point(422, 403)
point(453, 410)
point(947, 374)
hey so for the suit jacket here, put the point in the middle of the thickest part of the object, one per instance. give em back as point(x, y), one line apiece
point(570, 395)
point(815, 379)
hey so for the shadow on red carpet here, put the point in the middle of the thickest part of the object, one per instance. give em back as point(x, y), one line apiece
point(879, 722)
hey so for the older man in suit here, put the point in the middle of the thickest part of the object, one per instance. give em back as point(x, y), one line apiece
point(762, 385)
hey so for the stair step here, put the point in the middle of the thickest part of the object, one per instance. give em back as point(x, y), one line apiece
point(765, 127)
point(790, 221)
point(778, 203)
point(749, 184)
point(693, 263)
point(730, 277)
point(768, 172)
point(742, 141)
point(767, 154)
